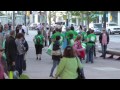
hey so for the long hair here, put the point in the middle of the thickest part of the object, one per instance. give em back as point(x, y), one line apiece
point(69, 52)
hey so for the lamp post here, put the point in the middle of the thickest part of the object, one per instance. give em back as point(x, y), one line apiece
point(25, 17)
point(13, 20)
point(104, 20)
point(67, 19)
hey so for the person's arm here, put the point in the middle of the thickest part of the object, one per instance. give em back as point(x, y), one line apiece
point(100, 38)
point(79, 64)
point(108, 38)
point(60, 67)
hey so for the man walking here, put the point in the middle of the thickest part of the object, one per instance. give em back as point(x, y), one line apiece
point(11, 51)
point(104, 40)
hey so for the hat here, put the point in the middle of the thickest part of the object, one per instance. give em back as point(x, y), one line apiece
point(1, 49)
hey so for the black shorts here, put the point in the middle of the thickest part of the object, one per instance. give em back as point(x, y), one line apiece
point(38, 49)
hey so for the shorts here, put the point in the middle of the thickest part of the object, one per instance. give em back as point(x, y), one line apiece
point(38, 49)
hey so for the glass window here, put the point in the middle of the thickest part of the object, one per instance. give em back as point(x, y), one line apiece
point(97, 25)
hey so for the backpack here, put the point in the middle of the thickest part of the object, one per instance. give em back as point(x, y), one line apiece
point(38, 40)
point(79, 53)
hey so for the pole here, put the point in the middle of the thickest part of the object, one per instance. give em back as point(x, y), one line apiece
point(104, 20)
point(67, 19)
point(13, 20)
point(25, 18)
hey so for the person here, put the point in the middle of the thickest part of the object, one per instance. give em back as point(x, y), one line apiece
point(88, 32)
point(38, 41)
point(11, 51)
point(24, 28)
point(1, 36)
point(84, 35)
point(17, 30)
point(104, 40)
point(6, 30)
point(72, 27)
point(50, 35)
point(25, 50)
point(21, 30)
point(43, 32)
point(20, 53)
point(2, 64)
point(80, 52)
point(91, 39)
point(67, 68)
point(55, 58)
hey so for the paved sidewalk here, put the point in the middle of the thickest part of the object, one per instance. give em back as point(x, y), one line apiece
point(101, 69)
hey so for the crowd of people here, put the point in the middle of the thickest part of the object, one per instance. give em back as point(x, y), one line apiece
point(68, 50)
point(13, 49)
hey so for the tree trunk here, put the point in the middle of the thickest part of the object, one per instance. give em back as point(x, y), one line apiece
point(49, 17)
point(82, 19)
point(87, 20)
point(55, 16)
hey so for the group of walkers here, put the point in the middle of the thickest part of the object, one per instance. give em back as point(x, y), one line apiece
point(13, 49)
point(68, 49)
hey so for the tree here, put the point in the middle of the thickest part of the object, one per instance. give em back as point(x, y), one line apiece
point(89, 16)
point(1, 13)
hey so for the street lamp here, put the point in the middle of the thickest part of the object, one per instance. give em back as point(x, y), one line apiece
point(13, 20)
point(104, 20)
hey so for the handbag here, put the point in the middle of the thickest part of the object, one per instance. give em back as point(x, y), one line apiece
point(57, 52)
point(80, 71)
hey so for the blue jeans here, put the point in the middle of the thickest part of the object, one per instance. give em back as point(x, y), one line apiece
point(104, 49)
point(55, 63)
point(89, 52)
point(19, 63)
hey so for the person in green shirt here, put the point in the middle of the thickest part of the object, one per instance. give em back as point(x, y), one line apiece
point(67, 68)
point(38, 41)
point(91, 39)
point(84, 36)
point(71, 36)
point(58, 33)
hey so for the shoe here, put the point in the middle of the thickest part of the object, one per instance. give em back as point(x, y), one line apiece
point(92, 62)
point(118, 58)
point(37, 58)
point(86, 61)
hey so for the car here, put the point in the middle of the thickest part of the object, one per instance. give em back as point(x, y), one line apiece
point(112, 28)
point(33, 26)
point(97, 27)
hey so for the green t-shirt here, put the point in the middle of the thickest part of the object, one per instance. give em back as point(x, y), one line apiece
point(71, 32)
point(92, 39)
point(58, 34)
point(84, 35)
point(41, 39)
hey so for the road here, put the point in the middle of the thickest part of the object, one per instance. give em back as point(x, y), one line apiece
point(101, 69)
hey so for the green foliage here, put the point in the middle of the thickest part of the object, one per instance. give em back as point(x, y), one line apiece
point(1, 14)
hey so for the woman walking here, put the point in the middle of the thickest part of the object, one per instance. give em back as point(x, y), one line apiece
point(20, 54)
point(67, 68)
point(56, 57)
point(38, 41)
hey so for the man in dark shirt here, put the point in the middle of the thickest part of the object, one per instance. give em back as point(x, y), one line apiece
point(11, 51)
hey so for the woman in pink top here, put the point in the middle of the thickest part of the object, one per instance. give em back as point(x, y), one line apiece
point(104, 40)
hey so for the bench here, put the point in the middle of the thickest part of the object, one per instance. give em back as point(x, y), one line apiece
point(112, 52)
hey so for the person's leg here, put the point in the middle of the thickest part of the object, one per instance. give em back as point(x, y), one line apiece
point(91, 53)
point(55, 63)
point(24, 62)
point(105, 51)
point(40, 51)
point(87, 54)
point(94, 51)
point(17, 63)
point(21, 64)
point(36, 48)
point(102, 50)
